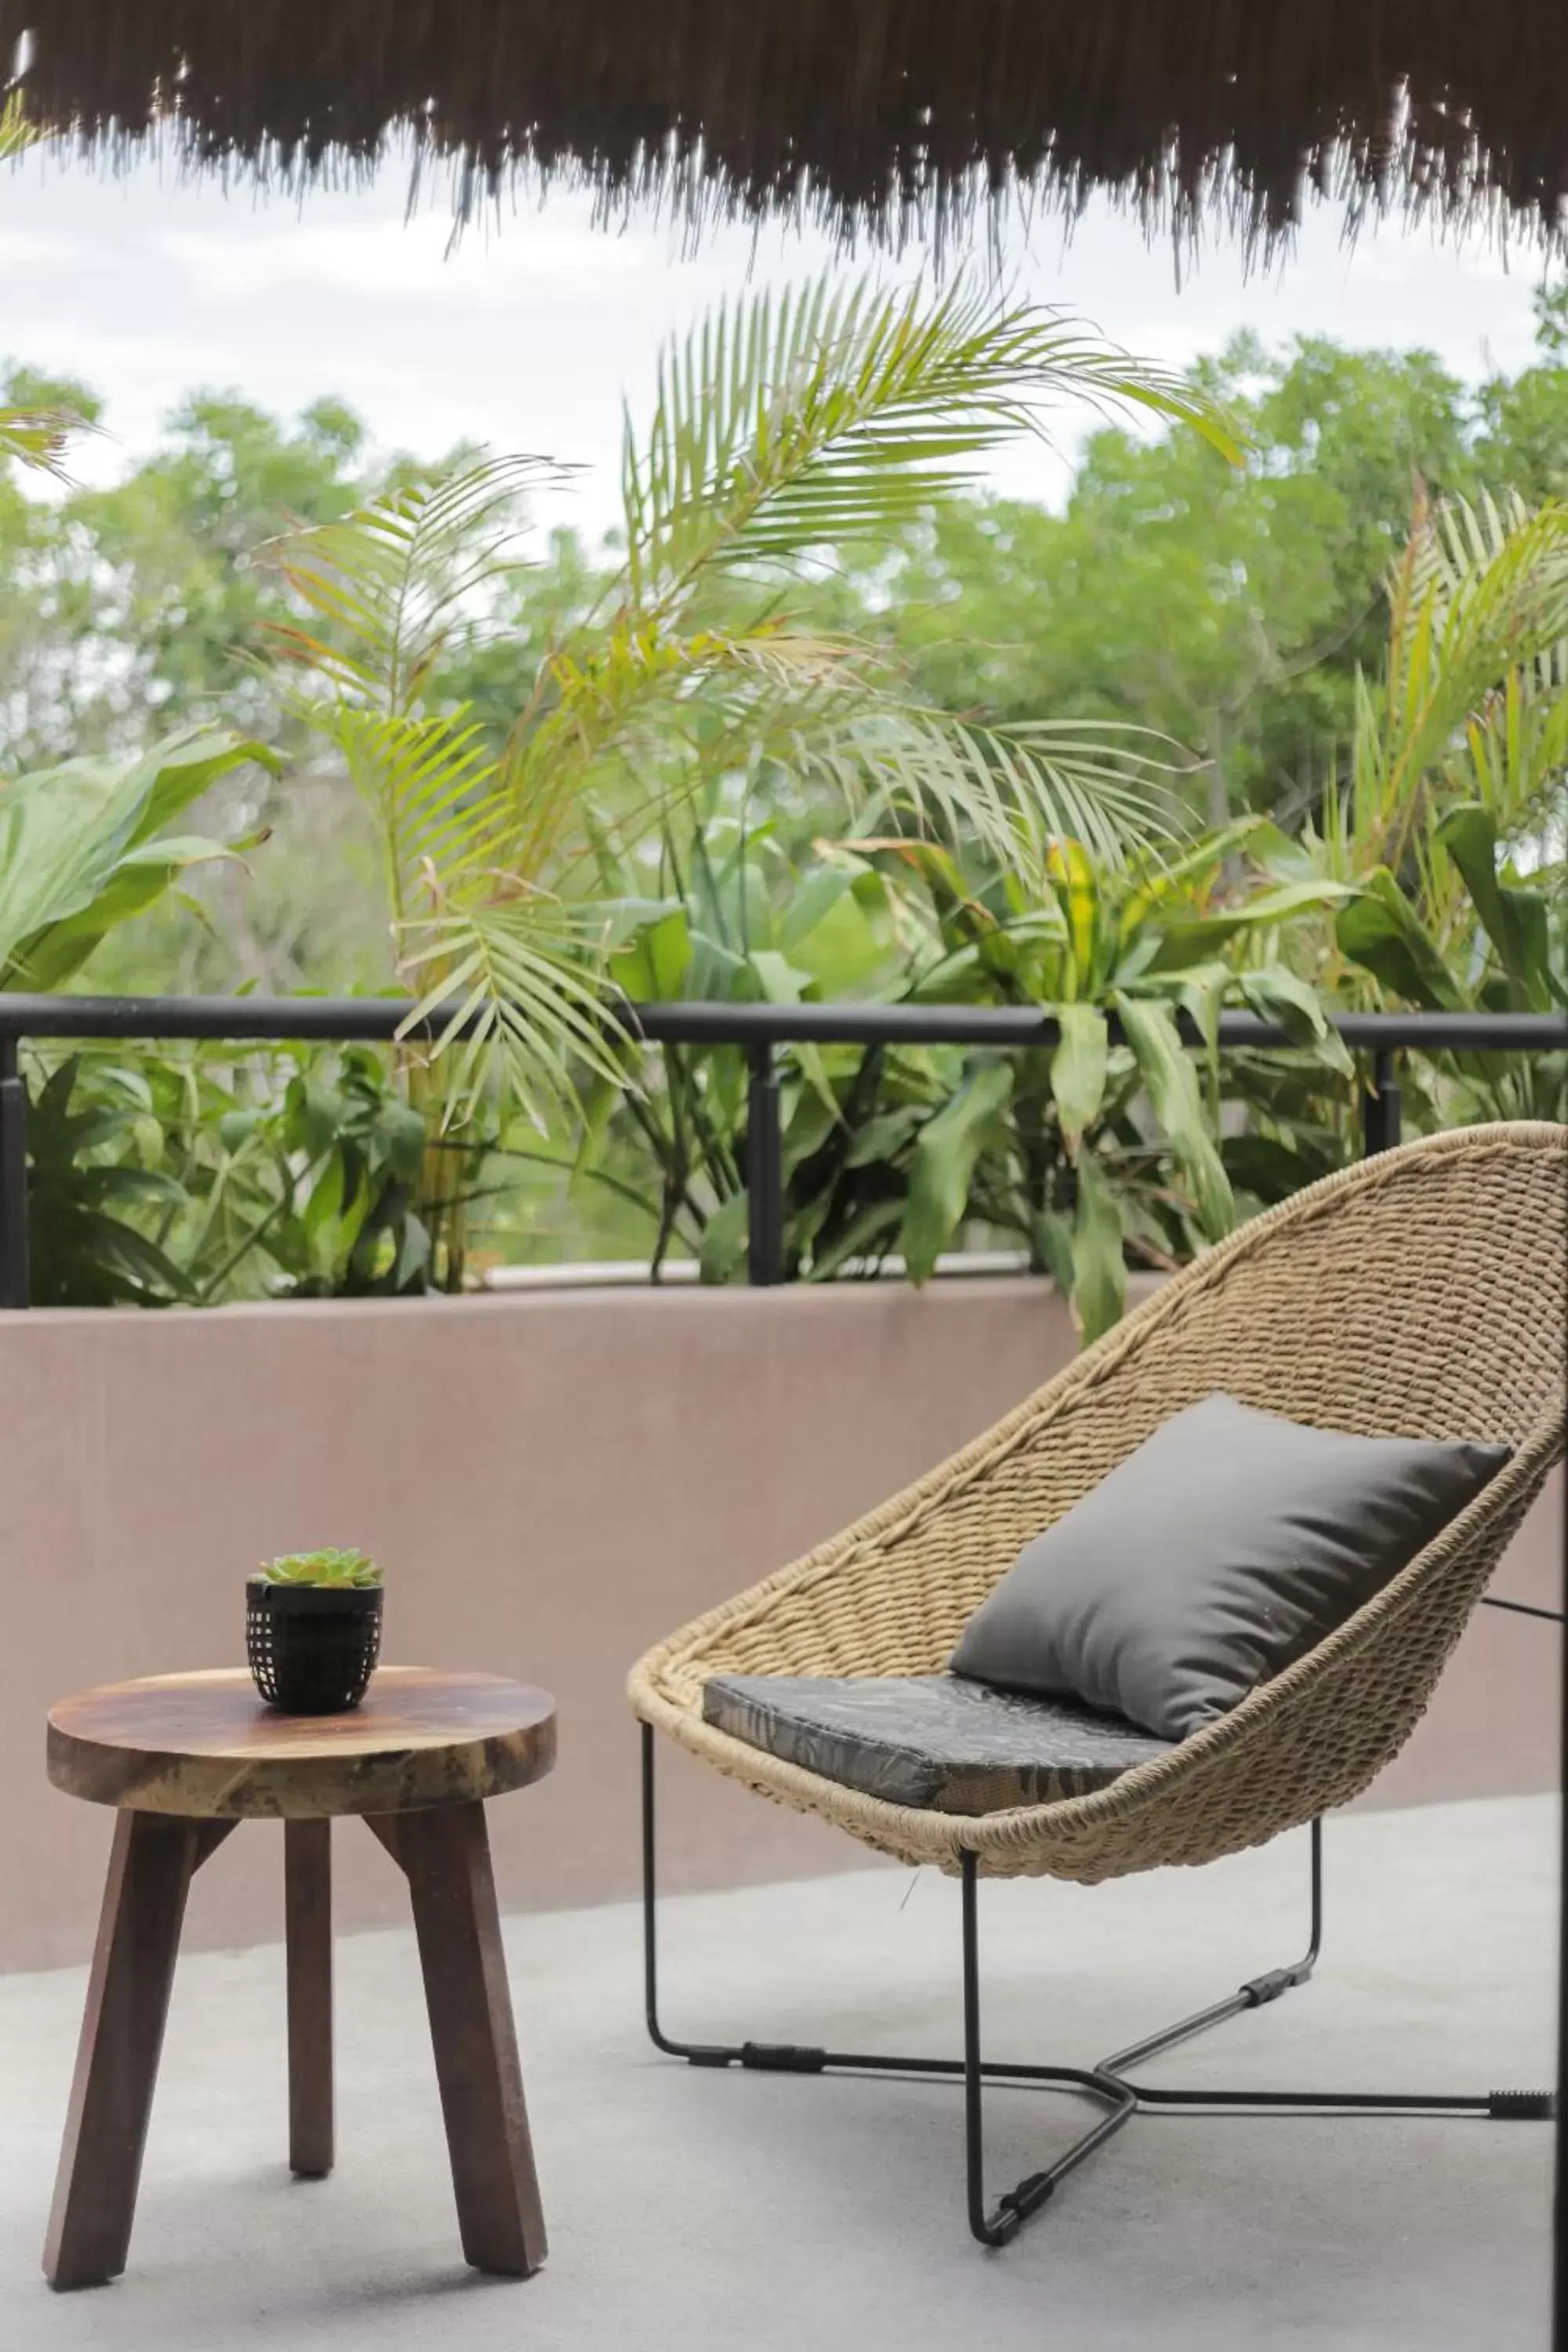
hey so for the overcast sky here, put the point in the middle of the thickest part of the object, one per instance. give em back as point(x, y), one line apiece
point(530, 335)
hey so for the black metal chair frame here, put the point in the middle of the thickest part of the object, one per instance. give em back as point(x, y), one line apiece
point(1108, 2081)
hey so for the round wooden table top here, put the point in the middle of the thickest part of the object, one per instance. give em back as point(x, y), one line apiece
point(205, 1746)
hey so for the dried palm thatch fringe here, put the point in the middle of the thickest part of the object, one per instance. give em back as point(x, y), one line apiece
point(883, 118)
point(1419, 1295)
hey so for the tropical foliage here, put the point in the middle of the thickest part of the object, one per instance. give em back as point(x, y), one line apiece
point(83, 847)
point(189, 1177)
point(783, 428)
point(1445, 841)
point(1225, 608)
point(823, 725)
point(1452, 825)
point(1105, 1150)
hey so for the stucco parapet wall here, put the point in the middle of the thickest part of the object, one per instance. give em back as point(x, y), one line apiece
point(553, 1479)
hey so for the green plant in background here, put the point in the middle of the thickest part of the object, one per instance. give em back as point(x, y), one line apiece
point(1168, 589)
point(94, 1208)
point(1452, 828)
point(1111, 1148)
point(330, 1566)
point(356, 1151)
point(1105, 1152)
point(157, 1176)
point(783, 428)
point(1446, 841)
point(189, 1177)
point(83, 847)
point(681, 736)
point(1472, 705)
point(750, 912)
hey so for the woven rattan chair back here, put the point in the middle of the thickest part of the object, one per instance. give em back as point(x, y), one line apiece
point(1420, 1293)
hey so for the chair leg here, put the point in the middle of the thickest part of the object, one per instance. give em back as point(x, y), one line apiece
point(1108, 2081)
point(1012, 2211)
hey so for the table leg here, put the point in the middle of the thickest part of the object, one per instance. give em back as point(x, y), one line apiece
point(307, 1929)
point(446, 1854)
point(122, 2036)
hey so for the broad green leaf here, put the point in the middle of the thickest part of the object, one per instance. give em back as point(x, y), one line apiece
point(185, 766)
point(809, 1119)
point(1380, 931)
point(1168, 1074)
point(1285, 856)
point(780, 983)
point(946, 1152)
point(326, 1203)
point(412, 1253)
point(236, 1128)
point(401, 1133)
point(149, 1275)
point(883, 1138)
point(841, 947)
point(1276, 994)
point(1514, 920)
point(1076, 883)
point(651, 968)
point(1078, 1069)
point(1282, 996)
point(65, 833)
point(813, 899)
point(1185, 942)
point(1099, 1273)
point(721, 1252)
point(316, 1116)
point(1053, 1238)
point(57, 952)
point(1183, 878)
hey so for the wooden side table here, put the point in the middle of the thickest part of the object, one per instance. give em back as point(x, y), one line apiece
point(185, 1759)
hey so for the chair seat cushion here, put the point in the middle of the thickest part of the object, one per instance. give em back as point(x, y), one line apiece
point(929, 1740)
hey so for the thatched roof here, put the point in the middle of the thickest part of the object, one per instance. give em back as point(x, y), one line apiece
point(884, 116)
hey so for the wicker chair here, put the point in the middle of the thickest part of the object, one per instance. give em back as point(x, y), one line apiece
point(1418, 1293)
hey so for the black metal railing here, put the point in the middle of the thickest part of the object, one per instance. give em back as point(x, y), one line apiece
point(759, 1029)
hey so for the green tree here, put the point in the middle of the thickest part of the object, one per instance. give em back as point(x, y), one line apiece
point(127, 610)
point(135, 610)
point(1230, 609)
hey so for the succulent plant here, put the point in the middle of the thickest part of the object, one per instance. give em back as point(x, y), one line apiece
point(329, 1566)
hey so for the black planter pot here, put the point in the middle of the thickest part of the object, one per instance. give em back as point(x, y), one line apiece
point(312, 1648)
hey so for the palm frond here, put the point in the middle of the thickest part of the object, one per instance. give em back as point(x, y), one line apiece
point(393, 581)
point(1011, 790)
point(514, 986)
point(821, 415)
point(832, 414)
point(1479, 635)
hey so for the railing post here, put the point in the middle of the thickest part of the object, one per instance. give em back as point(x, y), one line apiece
point(15, 1286)
point(764, 1171)
point(1380, 1106)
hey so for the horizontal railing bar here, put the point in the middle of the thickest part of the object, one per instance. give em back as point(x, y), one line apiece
point(288, 1020)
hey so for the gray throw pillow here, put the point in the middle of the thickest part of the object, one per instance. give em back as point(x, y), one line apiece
point(1227, 1547)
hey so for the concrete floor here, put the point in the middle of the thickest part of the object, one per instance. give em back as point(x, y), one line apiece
point(689, 2208)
